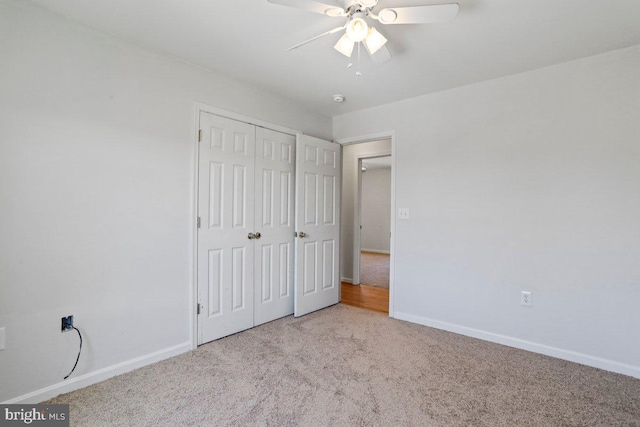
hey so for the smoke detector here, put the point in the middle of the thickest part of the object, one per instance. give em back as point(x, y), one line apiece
point(338, 98)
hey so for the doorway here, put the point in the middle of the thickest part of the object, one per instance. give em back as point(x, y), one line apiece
point(375, 221)
point(366, 225)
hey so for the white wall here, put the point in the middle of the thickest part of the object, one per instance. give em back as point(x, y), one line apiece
point(96, 186)
point(350, 155)
point(529, 182)
point(375, 213)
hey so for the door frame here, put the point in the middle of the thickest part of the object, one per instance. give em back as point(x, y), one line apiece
point(390, 134)
point(204, 108)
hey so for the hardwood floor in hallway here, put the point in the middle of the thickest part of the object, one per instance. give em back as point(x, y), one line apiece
point(363, 296)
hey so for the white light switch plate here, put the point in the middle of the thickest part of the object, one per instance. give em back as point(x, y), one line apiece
point(1, 338)
point(525, 298)
point(403, 213)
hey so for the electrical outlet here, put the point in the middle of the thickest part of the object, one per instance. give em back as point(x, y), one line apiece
point(67, 324)
point(403, 213)
point(525, 298)
point(2, 339)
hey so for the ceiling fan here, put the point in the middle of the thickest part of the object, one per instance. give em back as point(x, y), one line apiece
point(357, 30)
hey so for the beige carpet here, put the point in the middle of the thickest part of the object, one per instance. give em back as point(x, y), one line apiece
point(347, 366)
point(374, 269)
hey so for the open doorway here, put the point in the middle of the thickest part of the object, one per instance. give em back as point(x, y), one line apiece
point(366, 186)
point(375, 221)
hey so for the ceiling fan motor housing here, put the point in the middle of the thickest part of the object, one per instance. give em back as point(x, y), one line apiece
point(346, 4)
point(357, 4)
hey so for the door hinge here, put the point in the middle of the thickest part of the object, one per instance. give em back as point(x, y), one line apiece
point(199, 308)
point(199, 135)
point(198, 222)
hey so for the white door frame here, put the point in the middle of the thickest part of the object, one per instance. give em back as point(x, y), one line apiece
point(204, 108)
point(391, 134)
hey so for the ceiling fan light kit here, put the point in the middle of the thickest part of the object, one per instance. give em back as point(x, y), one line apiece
point(357, 30)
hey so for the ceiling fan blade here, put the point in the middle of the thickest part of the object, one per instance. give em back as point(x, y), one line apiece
point(381, 56)
point(312, 6)
point(419, 14)
point(335, 30)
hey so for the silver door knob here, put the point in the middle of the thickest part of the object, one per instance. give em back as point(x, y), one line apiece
point(251, 236)
point(257, 235)
point(302, 234)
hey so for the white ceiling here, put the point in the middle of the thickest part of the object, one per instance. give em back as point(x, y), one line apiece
point(246, 39)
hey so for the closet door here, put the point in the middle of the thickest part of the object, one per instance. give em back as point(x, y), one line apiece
point(226, 211)
point(318, 173)
point(275, 169)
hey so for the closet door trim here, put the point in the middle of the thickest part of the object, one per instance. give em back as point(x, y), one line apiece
point(241, 118)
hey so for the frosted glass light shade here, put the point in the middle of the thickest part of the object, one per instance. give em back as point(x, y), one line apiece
point(374, 41)
point(345, 45)
point(357, 29)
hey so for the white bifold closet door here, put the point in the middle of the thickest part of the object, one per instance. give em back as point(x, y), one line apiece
point(226, 214)
point(250, 269)
point(245, 189)
point(274, 196)
point(318, 172)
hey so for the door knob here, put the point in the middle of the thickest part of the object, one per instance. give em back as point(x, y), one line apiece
point(251, 236)
point(257, 235)
point(302, 234)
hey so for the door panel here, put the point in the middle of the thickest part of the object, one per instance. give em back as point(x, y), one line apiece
point(286, 270)
point(329, 213)
point(317, 216)
point(328, 264)
point(310, 198)
point(309, 265)
point(214, 277)
point(226, 210)
point(275, 168)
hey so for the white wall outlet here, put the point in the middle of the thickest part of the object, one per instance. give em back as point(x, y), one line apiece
point(2, 333)
point(403, 213)
point(525, 298)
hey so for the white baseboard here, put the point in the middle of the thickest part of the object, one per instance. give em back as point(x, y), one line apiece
point(99, 375)
point(571, 356)
point(347, 279)
point(375, 251)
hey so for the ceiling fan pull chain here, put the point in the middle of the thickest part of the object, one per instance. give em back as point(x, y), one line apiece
point(358, 73)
